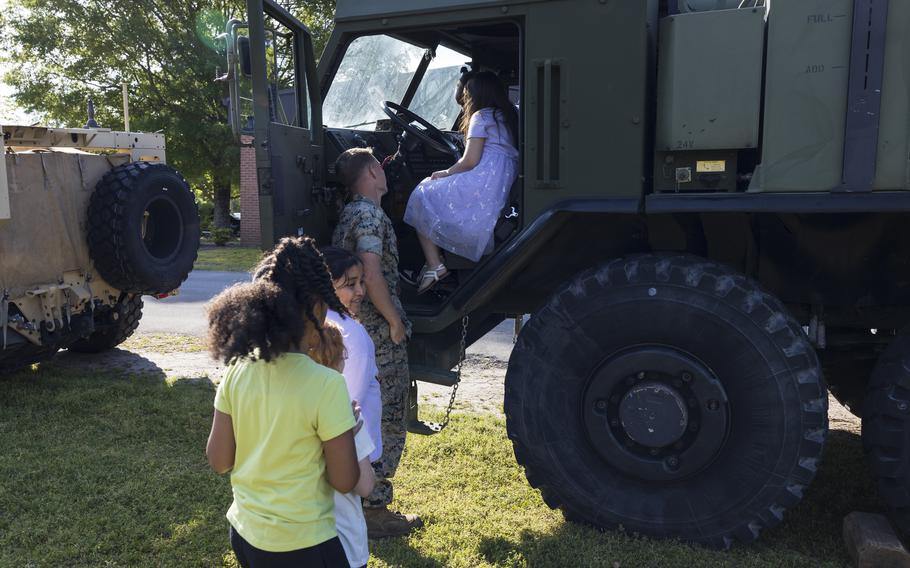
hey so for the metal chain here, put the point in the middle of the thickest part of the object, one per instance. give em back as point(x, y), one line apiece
point(463, 356)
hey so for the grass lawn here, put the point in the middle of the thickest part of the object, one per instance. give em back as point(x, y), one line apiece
point(228, 259)
point(109, 471)
point(164, 343)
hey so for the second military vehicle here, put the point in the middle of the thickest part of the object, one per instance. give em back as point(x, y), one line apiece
point(708, 230)
point(90, 220)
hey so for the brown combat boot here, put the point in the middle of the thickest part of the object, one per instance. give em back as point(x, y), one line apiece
point(382, 523)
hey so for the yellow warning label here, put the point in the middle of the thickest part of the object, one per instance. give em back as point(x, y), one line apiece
point(710, 166)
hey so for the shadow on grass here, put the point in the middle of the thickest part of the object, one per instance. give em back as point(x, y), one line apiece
point(843, 484)
point(810, 533)
point(580, 546)
point(399, 552)
point(120, 362)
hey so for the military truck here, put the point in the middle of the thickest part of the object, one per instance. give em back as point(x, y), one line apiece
point(708, 230)
point(90, 220)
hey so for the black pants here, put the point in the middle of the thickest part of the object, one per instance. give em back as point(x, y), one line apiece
point(328, 554)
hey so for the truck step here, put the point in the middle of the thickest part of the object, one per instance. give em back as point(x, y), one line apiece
point(433, 375)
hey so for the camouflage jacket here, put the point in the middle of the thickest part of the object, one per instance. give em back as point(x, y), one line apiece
point(364, 227)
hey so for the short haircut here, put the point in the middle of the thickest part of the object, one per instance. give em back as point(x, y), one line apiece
point(350, 165)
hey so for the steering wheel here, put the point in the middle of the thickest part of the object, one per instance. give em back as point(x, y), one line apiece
point(429, 135)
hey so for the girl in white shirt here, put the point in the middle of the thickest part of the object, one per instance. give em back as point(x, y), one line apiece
point(360, 373)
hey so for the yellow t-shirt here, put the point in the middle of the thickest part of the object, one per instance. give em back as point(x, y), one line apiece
point(282, 411)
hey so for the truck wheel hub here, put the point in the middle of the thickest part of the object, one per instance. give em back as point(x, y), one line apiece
point(653, 414)
point(656, 413)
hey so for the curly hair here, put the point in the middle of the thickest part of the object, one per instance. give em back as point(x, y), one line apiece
point(270, 316)
point(330, 351)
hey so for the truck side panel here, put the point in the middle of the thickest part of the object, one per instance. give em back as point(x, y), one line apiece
point(561, 88)
point(807, 68)
point(892, 168)
point(806, 97)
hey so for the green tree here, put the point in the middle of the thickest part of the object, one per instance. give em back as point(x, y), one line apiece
point(66, 51)
point(319, 17)
point(63, 52)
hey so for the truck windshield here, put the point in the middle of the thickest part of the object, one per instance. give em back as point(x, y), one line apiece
point(435, 96)
point(380, 68)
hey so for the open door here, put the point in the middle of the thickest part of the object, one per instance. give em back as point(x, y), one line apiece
point(287, 124)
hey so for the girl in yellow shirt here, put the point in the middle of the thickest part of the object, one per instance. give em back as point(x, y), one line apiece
point(283, 425)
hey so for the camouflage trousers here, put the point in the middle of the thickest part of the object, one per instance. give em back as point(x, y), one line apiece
point(394, 380)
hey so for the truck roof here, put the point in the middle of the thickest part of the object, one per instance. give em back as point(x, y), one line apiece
point(355, 9)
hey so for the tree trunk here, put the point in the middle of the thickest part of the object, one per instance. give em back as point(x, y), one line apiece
point(222, 188)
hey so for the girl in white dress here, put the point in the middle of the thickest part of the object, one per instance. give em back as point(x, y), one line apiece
point(359, 370)
point(457, 209)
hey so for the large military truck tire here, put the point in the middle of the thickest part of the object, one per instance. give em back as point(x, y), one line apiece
point(886, 428)
point(143, 229)
point(670, 396)
point(113, 325)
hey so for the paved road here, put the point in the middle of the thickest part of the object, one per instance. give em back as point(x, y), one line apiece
point(185, 313)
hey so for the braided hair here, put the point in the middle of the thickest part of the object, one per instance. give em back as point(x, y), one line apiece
point(270, 316)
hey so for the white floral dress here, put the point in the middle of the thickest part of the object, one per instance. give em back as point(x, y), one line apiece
point(459, 212)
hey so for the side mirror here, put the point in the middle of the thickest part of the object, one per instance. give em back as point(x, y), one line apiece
point(243, 53)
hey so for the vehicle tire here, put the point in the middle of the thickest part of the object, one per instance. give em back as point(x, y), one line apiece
point(143, 228)
point(670, 396)
point(113, 325)
point(886, 428)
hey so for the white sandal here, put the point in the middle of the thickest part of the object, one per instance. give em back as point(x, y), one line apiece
point(431, 277)
point(412, 277)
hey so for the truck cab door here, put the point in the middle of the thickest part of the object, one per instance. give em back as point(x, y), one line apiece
point(287, 111)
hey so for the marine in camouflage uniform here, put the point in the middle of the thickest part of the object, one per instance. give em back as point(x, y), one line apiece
point(364, 227)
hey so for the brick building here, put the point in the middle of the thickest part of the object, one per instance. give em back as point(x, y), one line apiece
point(249, 192)
point(249, 195)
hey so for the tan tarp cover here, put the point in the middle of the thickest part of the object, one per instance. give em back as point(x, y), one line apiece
point(46, 234)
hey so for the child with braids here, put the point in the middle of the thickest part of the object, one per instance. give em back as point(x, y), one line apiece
point(283, 424)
